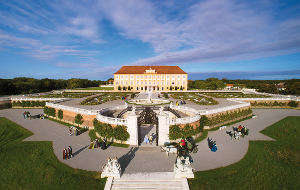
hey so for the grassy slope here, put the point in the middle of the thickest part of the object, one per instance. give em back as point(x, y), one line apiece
point(32, 165)
point(267, 164)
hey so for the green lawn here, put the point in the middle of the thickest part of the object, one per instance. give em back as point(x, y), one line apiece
point(267, 164)
point(32, 165)
point(97, 88)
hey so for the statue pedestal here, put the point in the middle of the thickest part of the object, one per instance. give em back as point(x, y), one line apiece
point(183, 170)
point(112, 168)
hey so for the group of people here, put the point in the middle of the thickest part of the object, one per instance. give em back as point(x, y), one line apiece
point(96, 144)
point(148, 140)
point(182, 102)
point(73, 130)
point(212, 145)
point(67, 153)
point(123, 97)
point(26, 114)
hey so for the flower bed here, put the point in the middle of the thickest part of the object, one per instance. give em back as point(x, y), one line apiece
point(194, 97)
point(104, 97)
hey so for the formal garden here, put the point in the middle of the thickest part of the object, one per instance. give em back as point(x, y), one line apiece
point(234, 95)
point(28, 104)
point(33, 165)
point(194, 97)
point(67, 95)
point(105, 97)
point(266, 165)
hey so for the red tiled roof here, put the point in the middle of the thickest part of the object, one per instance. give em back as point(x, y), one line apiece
point(229, 85)
point(158, 70)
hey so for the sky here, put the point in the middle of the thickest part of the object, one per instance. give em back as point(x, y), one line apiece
point(93, 39)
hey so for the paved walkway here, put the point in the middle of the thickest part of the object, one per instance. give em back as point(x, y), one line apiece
point(146, 159)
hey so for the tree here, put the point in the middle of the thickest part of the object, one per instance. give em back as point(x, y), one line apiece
point(119, 87)
point(60, 114)
point(128, 88)
point(120, 133)
point(181, 88)
point(124, 88)
point(79, 119)
point(175, 132)
point(171, 87)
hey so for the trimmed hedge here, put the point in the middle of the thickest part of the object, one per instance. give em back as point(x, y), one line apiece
point(29, 104)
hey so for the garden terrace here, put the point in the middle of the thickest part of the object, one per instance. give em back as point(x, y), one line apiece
point(194, 97)
point(234, 95)
point(67, 95)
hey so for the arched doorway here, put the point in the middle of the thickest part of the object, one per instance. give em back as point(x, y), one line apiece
point(147, 116)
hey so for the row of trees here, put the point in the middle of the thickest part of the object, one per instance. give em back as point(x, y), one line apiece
point(23, 85)
point(29, 104)
point(106, 130)
point(269, 86)
point(176, 132)
point(292, 104)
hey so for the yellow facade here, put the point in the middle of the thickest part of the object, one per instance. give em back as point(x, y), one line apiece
point(150, 81)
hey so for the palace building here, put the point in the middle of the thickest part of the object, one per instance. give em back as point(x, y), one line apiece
point(150, 78)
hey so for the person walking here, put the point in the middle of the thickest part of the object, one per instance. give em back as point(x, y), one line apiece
point(146, 139)
point(103, 145)
point(151, 139)
point(70, 152)
point(65, 154)
point(70, 131)
point(214, 147)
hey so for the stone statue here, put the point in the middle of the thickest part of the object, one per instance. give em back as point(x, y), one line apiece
point(112, 168)
point(161, 110)
point(133, 110)
point(183, 169)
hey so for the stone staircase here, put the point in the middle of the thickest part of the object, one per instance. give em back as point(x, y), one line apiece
point(147, 181)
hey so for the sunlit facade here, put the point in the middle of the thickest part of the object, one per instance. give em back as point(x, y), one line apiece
point(150, 78)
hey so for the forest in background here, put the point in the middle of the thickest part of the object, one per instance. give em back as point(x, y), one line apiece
point(23, 85)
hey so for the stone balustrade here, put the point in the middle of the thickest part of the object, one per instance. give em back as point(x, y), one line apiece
point(41, 99)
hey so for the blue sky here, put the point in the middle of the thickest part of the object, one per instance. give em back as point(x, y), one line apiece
point(62, 39)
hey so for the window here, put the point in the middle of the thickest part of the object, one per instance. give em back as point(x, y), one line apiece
point(137, 82)
point(137, 76)
point(145, 82)
point(178, 76)
point(167, 87)
point(167, 76)
point(154, 82)
point(137, 88)
point(126, 82)
point(126, 76)
point(145, 76)
point(149, 76)
point(157, 82)
point(162, 88)
point(172, 82)
point(131, 88)
point(122, 82)
point(141, 88)
point(141, 76)
point(154, 76)
point(158, 76)
point(149, 82)
point(141, 82)
point(183, 83)
point(183, 76)
point(162, 76)
point(157, 88)
point(131, 82)
point(117, 76)
point(167, 82)
point(131, 76)
point(121, 76)
point(117, 82)
point(177, 82)
point(162, 82)
point(173, 76)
